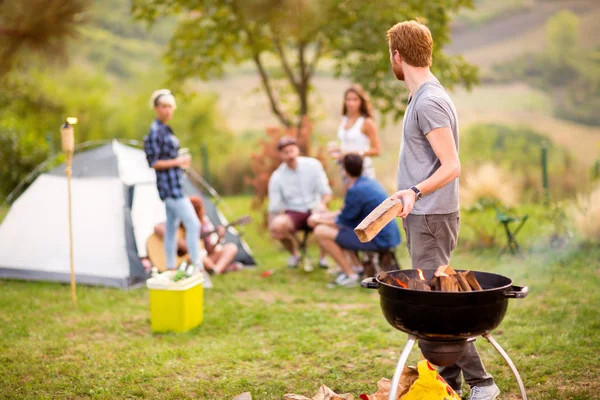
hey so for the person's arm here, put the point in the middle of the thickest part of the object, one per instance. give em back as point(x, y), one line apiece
point(323, 188)
point(435, 124)
point(166, 164)
point(351, 209)
point(276, 203)
point(370, 130)
point(324, 218)
point(221, 231)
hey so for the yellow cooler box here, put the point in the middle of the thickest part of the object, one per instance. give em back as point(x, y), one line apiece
point(175, 306)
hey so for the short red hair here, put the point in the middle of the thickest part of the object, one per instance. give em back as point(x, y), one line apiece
point(413, 41)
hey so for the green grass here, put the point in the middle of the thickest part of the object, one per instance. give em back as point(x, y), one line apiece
point(287, 333)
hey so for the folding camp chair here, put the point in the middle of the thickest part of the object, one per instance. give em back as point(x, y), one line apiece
point(506, 220)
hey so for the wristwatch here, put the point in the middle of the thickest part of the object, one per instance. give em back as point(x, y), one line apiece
point(417, 192)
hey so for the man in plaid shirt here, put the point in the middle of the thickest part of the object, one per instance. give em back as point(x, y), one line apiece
point(162, 147)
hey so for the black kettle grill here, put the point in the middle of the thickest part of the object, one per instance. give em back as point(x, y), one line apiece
point(444, 322)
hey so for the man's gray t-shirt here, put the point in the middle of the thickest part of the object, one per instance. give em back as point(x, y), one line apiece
point(430, 108)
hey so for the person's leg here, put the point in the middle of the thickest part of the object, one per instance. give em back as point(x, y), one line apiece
point(282, 228)
point(452, 376)
point(170, 240)
point(326, 236)
point(472, 368)
point(424, 246)
point(432, 239)
point(225, 256)
point(190, 220)
point(327, 218)
point(357, 266)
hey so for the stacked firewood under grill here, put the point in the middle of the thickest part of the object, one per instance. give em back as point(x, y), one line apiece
point(445, 279)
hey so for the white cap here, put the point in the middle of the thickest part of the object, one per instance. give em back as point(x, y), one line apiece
point(166, 97)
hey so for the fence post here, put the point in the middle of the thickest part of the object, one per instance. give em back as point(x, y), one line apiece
point(204, 152)
point(544, 160)
point(596, 170)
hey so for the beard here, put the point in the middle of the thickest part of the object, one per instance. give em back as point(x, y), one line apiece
point(398, 72)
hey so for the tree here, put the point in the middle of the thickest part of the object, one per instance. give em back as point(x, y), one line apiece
point(37, 26)
point(286, 40)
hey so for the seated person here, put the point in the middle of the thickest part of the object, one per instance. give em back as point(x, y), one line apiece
point(296, 189)
point(335, 231)
point(220, 255)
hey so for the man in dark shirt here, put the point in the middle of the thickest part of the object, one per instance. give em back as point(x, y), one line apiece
point(162, 147)
point(335, 231)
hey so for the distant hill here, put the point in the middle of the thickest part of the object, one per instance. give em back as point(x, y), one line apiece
point(497, 30)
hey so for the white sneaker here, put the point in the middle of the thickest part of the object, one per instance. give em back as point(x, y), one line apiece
point(293, 261)
point(308, 267)
point(323, 263)
point(340, 277)
point(345, 280)
point(359, 269)
point(484, 392)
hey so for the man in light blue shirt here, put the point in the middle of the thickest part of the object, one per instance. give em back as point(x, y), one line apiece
point(297, 188)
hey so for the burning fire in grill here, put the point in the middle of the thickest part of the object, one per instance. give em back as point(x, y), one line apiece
point(445, 279)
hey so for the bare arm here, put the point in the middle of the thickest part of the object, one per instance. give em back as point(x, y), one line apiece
point(370, 130)
point(166, 164)
point(325, 199)
point(442, 143)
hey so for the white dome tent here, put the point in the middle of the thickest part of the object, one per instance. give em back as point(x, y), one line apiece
point(115, 207)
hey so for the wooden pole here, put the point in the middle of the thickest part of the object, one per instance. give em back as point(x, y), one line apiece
point(68, 147)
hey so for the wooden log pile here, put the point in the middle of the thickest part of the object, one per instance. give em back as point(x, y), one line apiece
point(445, 279)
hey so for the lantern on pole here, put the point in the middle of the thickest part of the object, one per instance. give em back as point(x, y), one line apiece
point(68, 147)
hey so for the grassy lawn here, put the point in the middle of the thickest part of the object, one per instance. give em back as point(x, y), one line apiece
point(288, 333)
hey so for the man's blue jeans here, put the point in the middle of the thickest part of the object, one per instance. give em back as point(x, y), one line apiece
point(181, 210)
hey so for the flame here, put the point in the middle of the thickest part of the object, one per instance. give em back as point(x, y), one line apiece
point(72, 120)
point(421, 277)
point(400, 283)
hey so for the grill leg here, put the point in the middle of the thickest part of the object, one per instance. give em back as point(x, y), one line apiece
point(403, 357)
point(500, 350)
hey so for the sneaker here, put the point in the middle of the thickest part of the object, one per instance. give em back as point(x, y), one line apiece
point(484, 392)
point(308, 267)
point(338, 278)
point(293, 261)
point(359, 269)
point(345, 280)
point(323, 263)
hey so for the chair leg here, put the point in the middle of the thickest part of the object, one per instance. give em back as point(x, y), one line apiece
point(512, 245)
point(508, 237)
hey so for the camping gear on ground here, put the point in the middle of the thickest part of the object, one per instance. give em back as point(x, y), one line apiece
point(429, 385)
point(115, 208)
point(175, 306)
point(511, 234)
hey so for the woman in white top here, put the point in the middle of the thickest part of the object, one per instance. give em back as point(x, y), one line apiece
point(357, 132)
